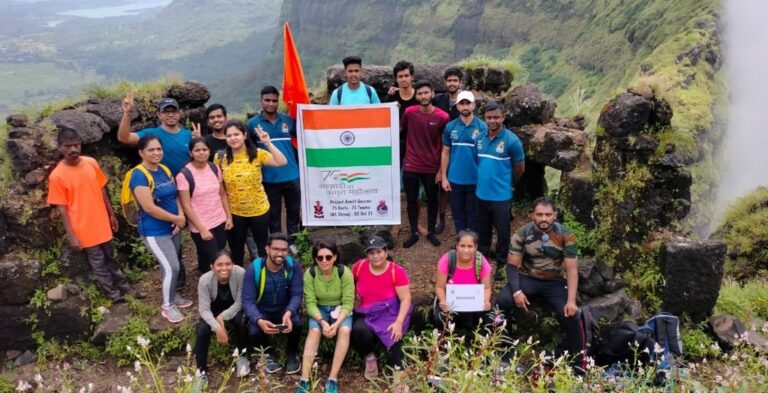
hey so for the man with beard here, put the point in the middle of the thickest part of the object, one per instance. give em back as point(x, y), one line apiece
point(216, 140)
point(447, 101)
point(280, 183)
point(272, 291)
point(354, 91)
point(424, 129)
point(500, 163)
point(458, 163)
point(542, 262)
point(77, 188)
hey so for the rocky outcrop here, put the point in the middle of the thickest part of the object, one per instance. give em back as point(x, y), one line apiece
point(90, 127)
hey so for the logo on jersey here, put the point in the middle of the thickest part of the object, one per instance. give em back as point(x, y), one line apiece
point(454, 135)
point(500, 147)
point(475, 133)
point(285, 128)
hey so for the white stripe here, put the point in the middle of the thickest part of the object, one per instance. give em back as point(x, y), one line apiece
point(277, 139)
point(165, 264)
point(463, 144)
point(494, 157)
point(360, 137)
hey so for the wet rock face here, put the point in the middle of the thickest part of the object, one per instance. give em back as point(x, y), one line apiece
point(693, 272)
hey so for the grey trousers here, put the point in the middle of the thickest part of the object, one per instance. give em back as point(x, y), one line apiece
point(107, 271)
point(166, 251)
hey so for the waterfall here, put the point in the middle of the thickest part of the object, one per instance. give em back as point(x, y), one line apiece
point(745, 160)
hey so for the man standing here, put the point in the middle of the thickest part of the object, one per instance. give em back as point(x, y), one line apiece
point(499, 155)
point(77, 188)
point(447, 101)
point(458, 163)
point(272, 299)
point(404, 93)
point(354, 91)
point(542, 253)
point(174, 138)
point(216, 140)
point(424, 128)
point(280, 183)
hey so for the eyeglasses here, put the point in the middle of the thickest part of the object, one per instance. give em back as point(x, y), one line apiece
point(328, 258)
point(279, 250)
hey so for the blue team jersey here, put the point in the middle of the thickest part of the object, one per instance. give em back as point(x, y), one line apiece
point(280, 134)
point(495, 162)
point(349, 97)
point(164, 196)
point(461, 139)
point(175, 146)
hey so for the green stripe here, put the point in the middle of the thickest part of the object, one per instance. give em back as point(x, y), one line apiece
point(349, 156)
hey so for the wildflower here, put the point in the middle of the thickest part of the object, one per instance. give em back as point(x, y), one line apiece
point(179, 370)
point(143, 342)
point(128, 348)
point(38, 378)
point(188, 378)
point(314, 366)
point(189, 348)
point(23, 386)
point(137, 366)
point(451, 326)
point(66, 366)
point(657, 348)
point(236, 353)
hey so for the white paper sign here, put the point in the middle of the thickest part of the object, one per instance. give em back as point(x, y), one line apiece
point(465, 297)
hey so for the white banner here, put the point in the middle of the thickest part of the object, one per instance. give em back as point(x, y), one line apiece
point(349, 158)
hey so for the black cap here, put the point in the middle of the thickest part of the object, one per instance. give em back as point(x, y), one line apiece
point(166, 102)
point(375, 242)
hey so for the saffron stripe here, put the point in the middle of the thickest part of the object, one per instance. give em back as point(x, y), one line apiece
point(334, 119)
point(349, 156)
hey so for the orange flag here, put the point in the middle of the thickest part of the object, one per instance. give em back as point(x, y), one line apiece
point(294, 87)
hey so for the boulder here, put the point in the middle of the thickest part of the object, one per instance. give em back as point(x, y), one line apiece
point(625, 115)
point(77, 326)
point(28, 357)
point(16, 331)
point(17, 120)
point(728, 329)
point(116, 319)
point(30, 223)
point(552, 145)
point(590, 281)
point(23, 156)
point(108, 109)
point(489, 80)
point(693, 273)
point(189, 95)
point(577, 193)
point(611, 306)
point(526, 105)
point(23, 133)
point(12, 354)
point(36, 177)
point(90, 127)
point(74, 263)
point(20, 276)
point(348, 242)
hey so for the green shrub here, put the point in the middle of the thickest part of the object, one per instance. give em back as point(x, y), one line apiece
point(161, 342)
point(743, 301)
point(698, 344)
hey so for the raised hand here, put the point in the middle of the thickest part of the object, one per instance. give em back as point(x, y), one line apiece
point(128, 103)
point(196, 130)
point(263, 136)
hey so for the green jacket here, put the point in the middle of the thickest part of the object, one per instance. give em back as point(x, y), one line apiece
point(333, 292)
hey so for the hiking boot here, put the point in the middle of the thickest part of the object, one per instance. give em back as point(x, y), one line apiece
point(118, 300)
point(433, 239)
point(199, 384)
point(304, 387)
point(440, 227)
point(272, 366)
point(411, 241)
point(292, 364)
point(136, 294)
point(180, 302)
point(172, 314)
point(371, 367)
point(242, 367)
point(332, 386)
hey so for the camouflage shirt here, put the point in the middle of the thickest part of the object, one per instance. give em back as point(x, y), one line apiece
point(543, 252)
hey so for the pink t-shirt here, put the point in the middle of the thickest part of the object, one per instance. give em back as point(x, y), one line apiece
point(463, 276)
point(371, 288)
point(206, 201)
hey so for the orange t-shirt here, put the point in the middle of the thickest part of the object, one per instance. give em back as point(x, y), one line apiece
point(79, 188)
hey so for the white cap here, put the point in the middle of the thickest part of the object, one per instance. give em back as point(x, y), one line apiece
point(465, 95)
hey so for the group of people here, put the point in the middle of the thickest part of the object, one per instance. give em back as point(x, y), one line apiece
point(234, 181)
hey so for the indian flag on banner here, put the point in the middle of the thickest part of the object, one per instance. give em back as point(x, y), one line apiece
point(349, 161)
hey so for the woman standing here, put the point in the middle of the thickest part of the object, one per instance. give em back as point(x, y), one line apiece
point(160, 220)
point(241, 167)
point(464, 265)
point(383, 289)
point(329, 295)
point(205, 204)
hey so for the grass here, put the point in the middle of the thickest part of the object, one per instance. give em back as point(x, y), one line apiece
point(509, 63)
point(744, 228)
point(744, 301)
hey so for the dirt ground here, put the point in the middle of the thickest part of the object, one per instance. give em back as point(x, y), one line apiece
point(420, 262)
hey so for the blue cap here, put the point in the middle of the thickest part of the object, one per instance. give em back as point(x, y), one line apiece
point(166, 102)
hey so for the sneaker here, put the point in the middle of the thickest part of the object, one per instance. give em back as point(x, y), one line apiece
point(371, 367)
point(303, 387)
point(172, 314)
point(440, 227)
point(199, 384)
point(272, 366)
point(411, 241)
point(433, 239)
point(180, 302)
point(332, 386)
point(292, 364)
point(242, 367)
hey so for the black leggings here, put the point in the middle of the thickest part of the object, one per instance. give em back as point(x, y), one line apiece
point(364, 341)
point(411, 181)
point(259, 227)
point(203, 341)
point(207, 249)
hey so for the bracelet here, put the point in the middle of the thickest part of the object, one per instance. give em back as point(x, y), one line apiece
point(519, 291)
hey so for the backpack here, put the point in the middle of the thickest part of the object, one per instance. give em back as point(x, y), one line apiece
point(617, 344)
point(359, 266)
point(191, 179)
point(260, 274)
point(588, 318)
point(665, 330)
point(131, 208)
point(452, 265)
point(339, 268)
point(367, 90)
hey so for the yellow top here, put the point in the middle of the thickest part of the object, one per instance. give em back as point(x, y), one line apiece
point(242, 179)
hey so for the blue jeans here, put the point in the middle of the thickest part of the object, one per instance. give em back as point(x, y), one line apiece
point(325, 311)
point(463, 206)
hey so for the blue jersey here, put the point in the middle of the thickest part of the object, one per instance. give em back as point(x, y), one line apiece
point(164, 196)
point(495, 164)
point(349, 97)
point(175, 146)
point(280, 134)
point(461, 139)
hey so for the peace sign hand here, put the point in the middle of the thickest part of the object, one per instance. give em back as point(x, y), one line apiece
point(128, 103)
point(196, 130)
point(263, 136)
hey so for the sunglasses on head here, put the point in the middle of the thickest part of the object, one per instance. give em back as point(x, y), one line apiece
point(328, 258)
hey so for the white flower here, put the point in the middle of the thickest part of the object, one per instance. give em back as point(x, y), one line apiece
point(23, 386)
point(657, 348)
point(179, 370)
point(189, 348)
point(188, 378)
point(38, 378)
point(236, 353)
point(137, 366)
point(451, 326)
point(143, 342)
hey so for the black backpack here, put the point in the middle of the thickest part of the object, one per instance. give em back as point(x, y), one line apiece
point(617, 344)
point(191, 179)
point(367, 90)
point(339, 269)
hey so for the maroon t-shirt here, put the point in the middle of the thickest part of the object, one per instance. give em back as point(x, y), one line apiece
point(424, 139)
